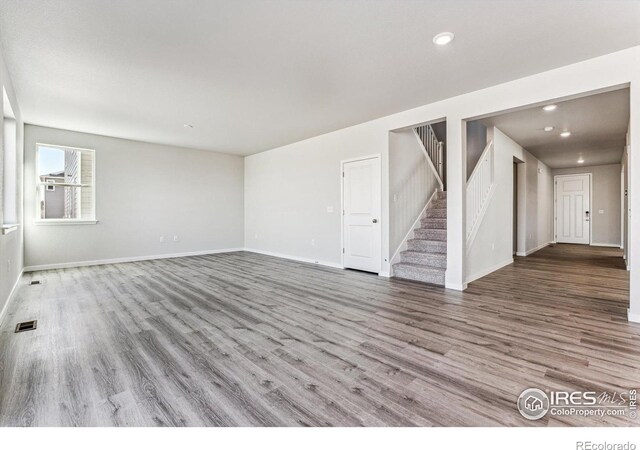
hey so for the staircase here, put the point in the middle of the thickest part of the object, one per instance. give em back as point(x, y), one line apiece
point(425, 259)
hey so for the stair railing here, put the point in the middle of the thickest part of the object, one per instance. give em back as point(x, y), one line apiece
point(434, 150)
point(480, 187)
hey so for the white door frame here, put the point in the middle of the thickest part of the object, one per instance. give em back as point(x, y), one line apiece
point(342, 163)
point(622, 211)
point(555, 204)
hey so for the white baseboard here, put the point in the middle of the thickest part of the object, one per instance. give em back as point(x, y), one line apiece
point(486, 272)
point(455, 286)
point(294, 258)
point(597, 244)
point(533, 250)
point(127, 259)
point(385, 274)
point(10, 298)
point(633, 316)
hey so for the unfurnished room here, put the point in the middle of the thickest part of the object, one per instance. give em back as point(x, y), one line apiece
point(238, 215)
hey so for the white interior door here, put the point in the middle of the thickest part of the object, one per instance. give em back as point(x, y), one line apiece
point(573, 200)
point(361, 210)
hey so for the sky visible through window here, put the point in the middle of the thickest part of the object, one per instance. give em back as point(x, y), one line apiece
point(50, 160)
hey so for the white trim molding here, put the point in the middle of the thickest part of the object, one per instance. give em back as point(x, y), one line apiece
point(87, 221)
point(633, 316)
point(295, 258)
point(100, 262)
point(64, 222)
point(598, 244)
point(10, 298)
point(535, 249)
point(486, 272)
point(456, 287)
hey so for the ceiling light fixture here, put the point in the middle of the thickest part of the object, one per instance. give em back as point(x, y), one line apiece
point(187, 125)
point(549, 108)
point(580, 161)
point(565, 134)
point(548, 128)
point(443, 38)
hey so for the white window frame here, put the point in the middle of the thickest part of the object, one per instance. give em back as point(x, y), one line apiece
point(8, 167)
point(90, 221)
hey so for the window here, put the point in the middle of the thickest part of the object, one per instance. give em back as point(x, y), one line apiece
point(9, 171)
point(65, 182)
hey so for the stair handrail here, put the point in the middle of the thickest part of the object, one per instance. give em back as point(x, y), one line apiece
point(433, 149)
point(480, 187)
point(484, 154)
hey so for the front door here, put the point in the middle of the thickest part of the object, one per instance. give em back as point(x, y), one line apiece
point(361, 210)
point(573, 215)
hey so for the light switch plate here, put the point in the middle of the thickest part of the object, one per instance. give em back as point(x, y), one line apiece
point(601, 211)
point(329, 209)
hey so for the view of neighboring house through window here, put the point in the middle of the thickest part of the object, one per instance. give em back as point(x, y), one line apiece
point(65, 183)
point(9, 171)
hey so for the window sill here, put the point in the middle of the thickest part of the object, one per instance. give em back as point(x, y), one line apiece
point(6, 229)
point(65, 222)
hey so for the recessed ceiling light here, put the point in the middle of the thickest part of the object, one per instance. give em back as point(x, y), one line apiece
point(580, 161)
point(443, 38)
point(187, 125)
point(565, 134)
point(548, 128)
point(550, 108)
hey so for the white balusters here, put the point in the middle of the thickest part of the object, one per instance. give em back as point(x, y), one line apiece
point(433, 148)
point(479, 188)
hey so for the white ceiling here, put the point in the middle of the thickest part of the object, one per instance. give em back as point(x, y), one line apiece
point(251, 75)
point(598, 125)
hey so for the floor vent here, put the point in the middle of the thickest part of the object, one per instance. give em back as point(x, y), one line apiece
point(33, 282)
point(26, 326)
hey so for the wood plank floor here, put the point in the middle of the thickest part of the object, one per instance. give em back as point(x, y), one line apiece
point(246, 339)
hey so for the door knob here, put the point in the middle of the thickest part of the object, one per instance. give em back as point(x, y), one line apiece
point(375, 220)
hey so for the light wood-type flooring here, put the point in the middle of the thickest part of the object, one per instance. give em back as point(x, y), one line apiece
point(242, 339)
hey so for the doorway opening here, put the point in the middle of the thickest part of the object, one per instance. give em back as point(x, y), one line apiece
point(557, 186)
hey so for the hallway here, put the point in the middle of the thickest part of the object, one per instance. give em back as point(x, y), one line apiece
point(577, 281)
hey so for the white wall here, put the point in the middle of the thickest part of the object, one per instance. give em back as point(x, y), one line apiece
point(605, 197)
point(412, 181)
point(476, 143)
point(300, 180)
point(288, 191)
point(492, 247)
point(538, 198)
point(143, 191)
point(11, 245)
